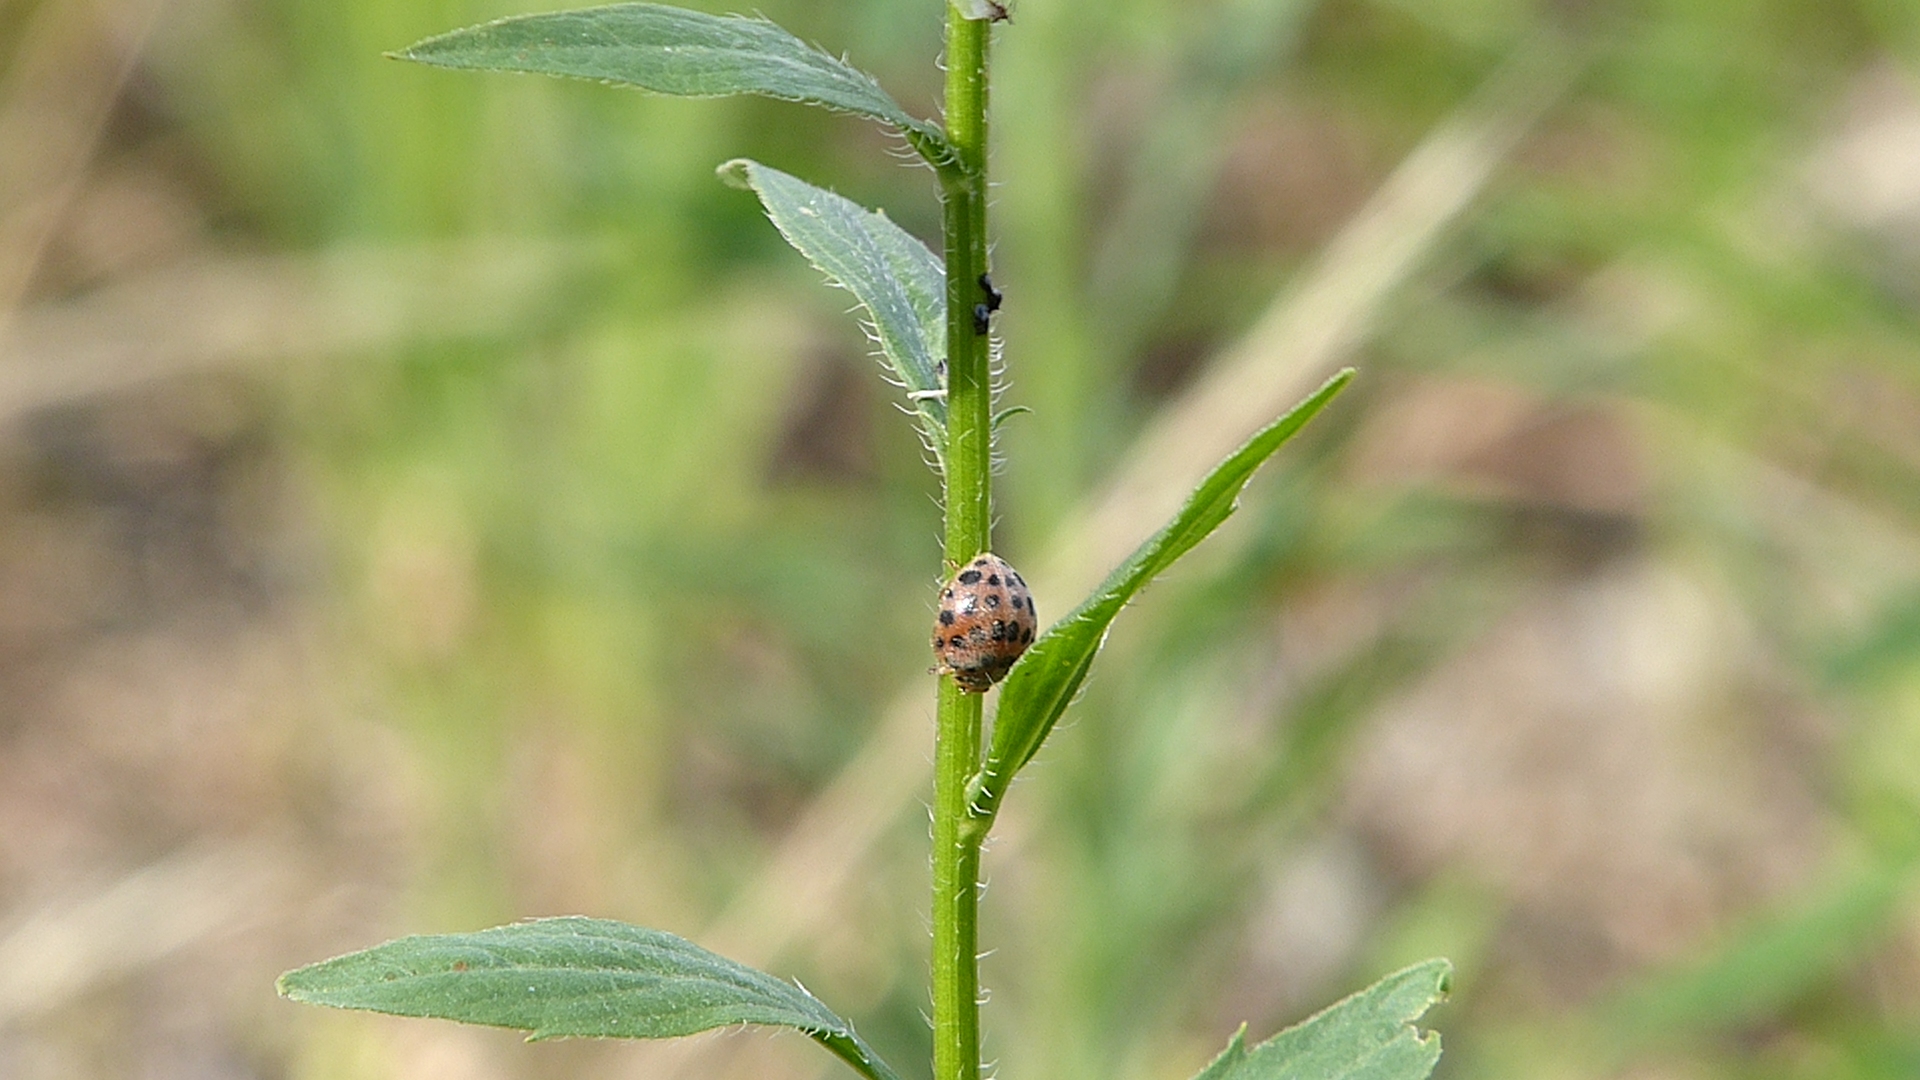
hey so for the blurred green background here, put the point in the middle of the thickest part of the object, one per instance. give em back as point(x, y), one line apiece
point(430, 499)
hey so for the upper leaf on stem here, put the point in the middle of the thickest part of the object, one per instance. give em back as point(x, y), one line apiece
point(672, 50)
point(898, 281)
point(1046, 679)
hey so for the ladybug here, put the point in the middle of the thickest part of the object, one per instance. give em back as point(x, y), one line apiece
point(986, 620)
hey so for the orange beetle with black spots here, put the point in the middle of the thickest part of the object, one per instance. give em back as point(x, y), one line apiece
point(986, 620)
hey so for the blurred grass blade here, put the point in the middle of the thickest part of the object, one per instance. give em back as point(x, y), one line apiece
point(1761, 970)
point(672, 50)
point(1369, 1035)
point(1048, 676)
point(574, 977)
point(900, 283)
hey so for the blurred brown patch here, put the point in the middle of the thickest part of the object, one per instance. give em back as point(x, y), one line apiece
point(177, 807)
point(1501, 442)
point(1290, 179)
point(827, 434)
point(131, 216)
point(1599, 757)
point(1592, 145)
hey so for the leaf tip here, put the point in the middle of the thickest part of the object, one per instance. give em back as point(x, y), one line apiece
point(288, 985)
point(736, 173)
point(1438, 971)
point(416, 53)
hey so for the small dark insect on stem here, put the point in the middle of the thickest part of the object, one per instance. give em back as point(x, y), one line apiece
point(994, 296)
point(982, 313)
point(1000, 12)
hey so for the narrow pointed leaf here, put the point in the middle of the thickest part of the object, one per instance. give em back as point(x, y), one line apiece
point(573, 977)
point(899, 282)
point(1049, 674)
point(671, 50)
point(1369, 1036)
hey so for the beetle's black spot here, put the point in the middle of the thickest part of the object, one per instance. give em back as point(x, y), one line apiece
point(1026, 635)
point(1016, 602)
point(982, 560)
point(1014, 576)
point(993, 579)
point(946, 618)
point(969, 577)
point(993, 600)
point(956, 641)
point(946, 594)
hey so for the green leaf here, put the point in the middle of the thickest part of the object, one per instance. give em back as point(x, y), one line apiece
point(1369, 1036)
point(672, 50)
point(573, 977)
point(899, 282)
point(1049, 674)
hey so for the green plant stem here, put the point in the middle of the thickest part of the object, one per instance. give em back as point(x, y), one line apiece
point(956, 873)
point(956, 833)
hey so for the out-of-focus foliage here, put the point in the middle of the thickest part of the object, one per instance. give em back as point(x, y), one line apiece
point(429, 499)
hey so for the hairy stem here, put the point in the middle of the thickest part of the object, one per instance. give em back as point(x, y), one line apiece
point(956, 837)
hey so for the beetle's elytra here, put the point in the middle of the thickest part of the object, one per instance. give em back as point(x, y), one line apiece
point(986, 620)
